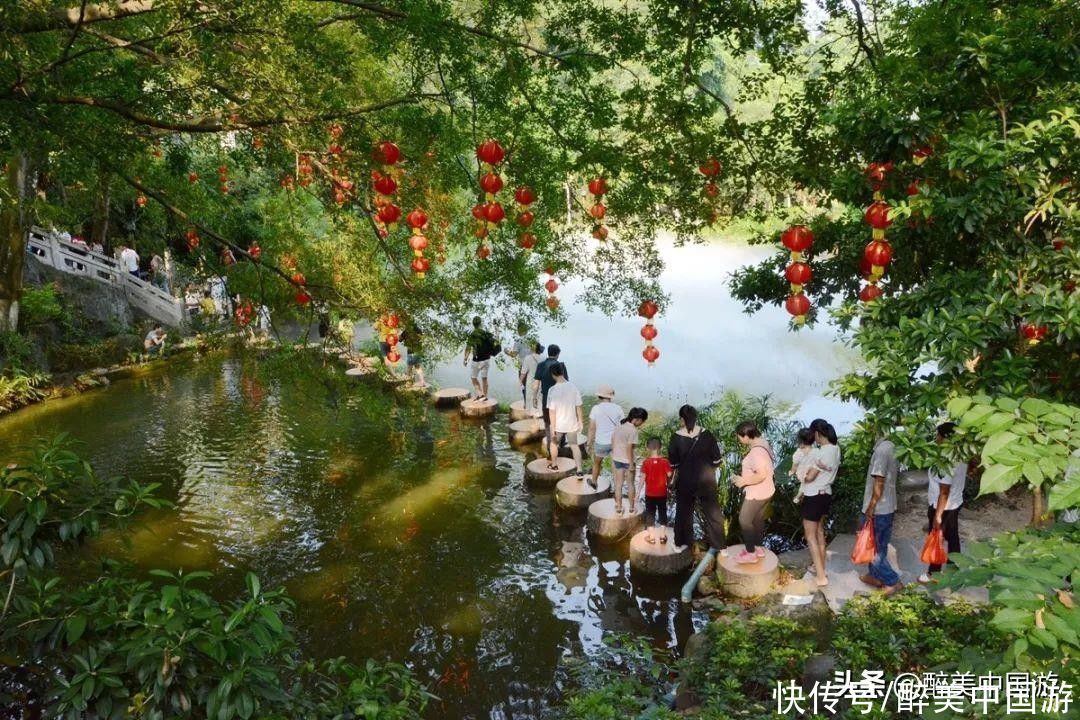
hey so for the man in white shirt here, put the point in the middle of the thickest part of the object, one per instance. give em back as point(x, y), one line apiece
point(603, 419)
point(564, 407)
point(129, 259)
point(945, 496)
point(528, 383)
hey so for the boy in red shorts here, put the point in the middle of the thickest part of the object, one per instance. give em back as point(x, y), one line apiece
point(657, 472)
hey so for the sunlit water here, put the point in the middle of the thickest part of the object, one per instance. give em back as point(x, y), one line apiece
point(406, 533)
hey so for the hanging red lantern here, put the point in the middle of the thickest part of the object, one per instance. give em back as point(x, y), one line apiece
point(421, 265)
point(417, 219)
point(598, 186)
point(389, 213)
point(525, 219)
point(524, 195)
point(244, 313)
point(392, 340)
point(649, 332)
point(551, 286)
point(1033, 333)
point(710, 168)
point(798, 273)
point(712, 189)
point(384, 184)
point(141, 201)
point(797, 238)
point(797, 305)
point(387, 153)
point(877, 215)
point(392, 321)
point(335, 130)
point(527, 241)
point(552, 303)
point(299, 279)
point(339, 197)
point(334, 149)
point(254, 252)
point(913, 187)
point(393, 357)
point(870, 293)
point(598, 211)
point(878, 253)
point(418, 243)
point(921, 154)
point(479, 211)
point(651, 354)
point(302, 298)
point(600, 232)
point(875, 173)
point(491, 183)
point(648, 309)
point(193, 177)
point(288, 182)
point(483, 252)
point(494, 212)
point(490, 152)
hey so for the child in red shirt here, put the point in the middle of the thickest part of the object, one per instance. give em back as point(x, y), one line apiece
point(657, 471)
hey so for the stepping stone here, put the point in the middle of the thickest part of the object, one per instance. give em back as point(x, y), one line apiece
point(479, 408)
point(750, 580)
point(658, 559)
point(358, 372)
point(449, 397)
point(605, 524)
point(538, 473)
point(518, 411)
point(574, 494)
point(523, 432)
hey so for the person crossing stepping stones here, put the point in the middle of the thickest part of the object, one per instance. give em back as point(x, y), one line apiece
point(481, 346)
point(623, 444)
point(603, 419)
point(657, 471)
point(564, 410)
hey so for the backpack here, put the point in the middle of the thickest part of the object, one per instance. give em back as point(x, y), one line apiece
point(488, 345)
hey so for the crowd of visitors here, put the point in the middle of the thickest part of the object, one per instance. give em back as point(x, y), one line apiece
point(694, 456)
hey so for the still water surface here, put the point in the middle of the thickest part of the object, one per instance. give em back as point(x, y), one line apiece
point(404, 532)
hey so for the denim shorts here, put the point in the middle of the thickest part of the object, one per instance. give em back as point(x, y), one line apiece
point(602, 451)
point(621, 465)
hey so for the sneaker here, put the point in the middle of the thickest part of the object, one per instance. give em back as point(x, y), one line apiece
point(924, 578)
point(745, 558)
point(592, 482)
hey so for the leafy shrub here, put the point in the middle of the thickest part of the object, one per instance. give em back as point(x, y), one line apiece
point(16, 352)
point(21, 389)
point(40, 306)
point(69, 357)
point(627, 679)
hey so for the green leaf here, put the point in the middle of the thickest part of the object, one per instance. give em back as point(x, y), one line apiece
point(1065, 494)
point(75, 627)
point(1013, 620)
point(958, 406)
point(169, 594)
point(1061, 629)
point(998, 478)
point(997, 442)
point(253, 584)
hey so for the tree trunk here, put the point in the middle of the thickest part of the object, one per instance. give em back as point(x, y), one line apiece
point(1040, 517)
point(99, 229)
point(13, 220)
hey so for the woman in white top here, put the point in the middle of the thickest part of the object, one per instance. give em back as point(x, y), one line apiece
point(817, 494)
point(623, 442)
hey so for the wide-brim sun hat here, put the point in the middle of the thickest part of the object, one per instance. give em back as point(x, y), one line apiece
point(606, 391)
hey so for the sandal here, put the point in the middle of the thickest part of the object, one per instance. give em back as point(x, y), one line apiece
point(650, 539)
point(663, 540)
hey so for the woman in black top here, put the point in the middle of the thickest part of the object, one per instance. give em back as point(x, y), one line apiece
point(694, 452)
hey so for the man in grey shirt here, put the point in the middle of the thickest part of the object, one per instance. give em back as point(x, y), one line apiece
point(879, 502)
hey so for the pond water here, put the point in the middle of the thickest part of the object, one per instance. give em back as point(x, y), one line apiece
point(406, 533)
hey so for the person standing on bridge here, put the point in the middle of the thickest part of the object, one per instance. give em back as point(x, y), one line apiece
point(129, 260)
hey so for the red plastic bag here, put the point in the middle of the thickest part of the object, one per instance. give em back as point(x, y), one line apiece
point(865, 549)
point(933, 550)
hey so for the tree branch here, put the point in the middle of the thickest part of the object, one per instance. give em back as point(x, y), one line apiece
point(860, 35)
point(75, 17)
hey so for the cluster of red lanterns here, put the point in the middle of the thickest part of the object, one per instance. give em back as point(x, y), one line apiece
point(244, 313)
point(490, 212)
point(524, 196)
point(385, 184)
point(551, 286)
point(711, 169)
point(303, 170)
point(223, 178)
point(598, 188)
point(878, 252)
point(1033, 333)
point(392, 322)
point(648, 310)
point(298, 279)
point(341, 185)
point(417, 221)
point(797, 239)
point(192, 238)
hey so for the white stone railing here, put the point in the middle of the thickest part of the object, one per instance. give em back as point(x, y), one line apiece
point(52, 250)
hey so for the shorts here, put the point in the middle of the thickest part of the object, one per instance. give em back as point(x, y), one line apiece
point(601, 451)
point(479, 369)
point(570, 437)
point(815, 507)
point(655, 507)
point(620, 465)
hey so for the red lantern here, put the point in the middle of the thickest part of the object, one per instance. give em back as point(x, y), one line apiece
point(335, 130)
point(339, 197)
point(524, 195)
point(417, 219)
point(244, 313)
point(490, 152)
point(525, 219)
point(494, 212)
point(141, 201)
point(254, 252)
point(598, 186)
point(877, 215)
point(387, 153)
point(711, 189)
point(920, 154)
point(598, 211)
point(392, 321)
point(1033, 333)
point(389, 213)
point(334, 149)
point(798, 273)
point(192, 241)
point(875, 173)
point(384, 184)
point(491, 183)
point(392, 340)
point(478, 211)
point(527, 241)
point(648, 309)
point(302, 298)
point(299, 279)
point(483, 252)
point(551, 286)
point(649, 332)
point(650, 353)
point(393, 357)
point(552, 302)
point(913, 187)
point(420, 265)
point(797, 305)
point(418, 243)
point(600, 232)
point(710, 168)
point(193, 177)
point(288, 182)
point(865, 267)
point(878, 253)
point(797, 238)
point(870, 293)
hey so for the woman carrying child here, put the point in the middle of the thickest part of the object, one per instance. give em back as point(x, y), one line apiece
point(818, 471)
point(623, 443)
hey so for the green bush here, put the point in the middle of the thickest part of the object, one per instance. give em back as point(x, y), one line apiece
point(40, 306)
point(71, 357)
point(21, 389)
point(16, 352)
